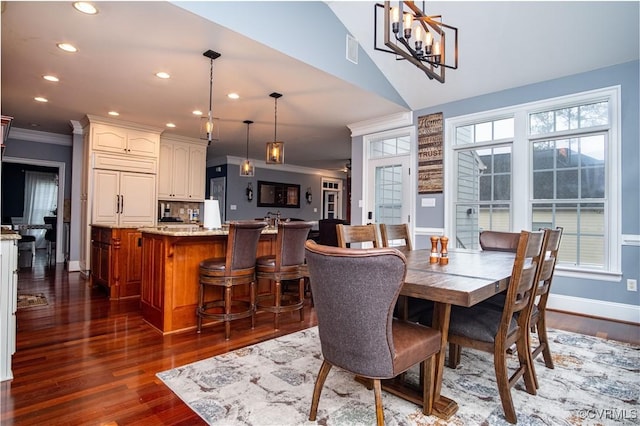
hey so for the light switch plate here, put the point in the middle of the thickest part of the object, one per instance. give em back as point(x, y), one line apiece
point(233, 207)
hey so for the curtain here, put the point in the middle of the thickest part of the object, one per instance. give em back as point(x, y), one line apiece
point(40, 200)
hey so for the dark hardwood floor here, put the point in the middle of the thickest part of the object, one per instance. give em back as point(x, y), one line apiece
point(84, 360)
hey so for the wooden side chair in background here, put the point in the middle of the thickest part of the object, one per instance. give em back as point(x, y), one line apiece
point(392, 234)
point(499, 241)
point(348, 234)
point(399, 237)
point(355, 291)
point(539, 310)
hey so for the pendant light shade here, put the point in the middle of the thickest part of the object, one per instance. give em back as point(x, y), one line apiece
point(275, 149)
point(209, 128)
point(247, 169)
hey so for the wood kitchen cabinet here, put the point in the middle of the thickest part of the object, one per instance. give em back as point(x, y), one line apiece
point(182, 169)
point(116, 259)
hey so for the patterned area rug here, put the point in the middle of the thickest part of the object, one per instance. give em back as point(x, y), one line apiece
point(595, 382)
point(29, 300)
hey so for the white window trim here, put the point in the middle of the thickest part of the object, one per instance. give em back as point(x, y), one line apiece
point(521, 213)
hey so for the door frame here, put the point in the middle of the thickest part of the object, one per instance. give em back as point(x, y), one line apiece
point(60, 217)
point(367, 197)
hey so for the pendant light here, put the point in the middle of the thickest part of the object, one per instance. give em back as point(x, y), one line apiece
point(247, 169)
point(275, 149)
point(208, 125)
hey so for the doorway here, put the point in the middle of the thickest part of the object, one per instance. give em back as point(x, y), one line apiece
point(388, 184)
point(56, 167)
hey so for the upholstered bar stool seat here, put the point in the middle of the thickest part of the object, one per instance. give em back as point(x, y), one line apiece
point(286, 264)
point(235, 269)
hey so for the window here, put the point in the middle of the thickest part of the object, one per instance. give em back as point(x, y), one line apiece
point(545, 164)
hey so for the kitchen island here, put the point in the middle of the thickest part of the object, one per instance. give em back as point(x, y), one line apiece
point(170, 272)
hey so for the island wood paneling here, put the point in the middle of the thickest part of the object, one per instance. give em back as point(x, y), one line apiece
point(171, 275)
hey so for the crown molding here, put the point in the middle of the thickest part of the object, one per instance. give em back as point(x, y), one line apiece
point(17, 133)
point(375, 125)
point(261, 164)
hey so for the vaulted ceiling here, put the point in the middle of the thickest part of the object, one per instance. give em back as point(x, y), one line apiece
point(295, 48)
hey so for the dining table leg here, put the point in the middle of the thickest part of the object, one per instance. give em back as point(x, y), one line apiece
point(443, 407)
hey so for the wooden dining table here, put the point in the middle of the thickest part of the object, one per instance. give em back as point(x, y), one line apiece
point(468, 278)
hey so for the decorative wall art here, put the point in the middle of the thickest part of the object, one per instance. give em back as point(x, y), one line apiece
point(430, 133)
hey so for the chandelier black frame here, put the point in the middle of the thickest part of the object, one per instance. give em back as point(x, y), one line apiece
point(423, 54)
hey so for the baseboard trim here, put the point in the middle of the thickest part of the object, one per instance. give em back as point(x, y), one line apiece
point(595, 308)
point(73, 266)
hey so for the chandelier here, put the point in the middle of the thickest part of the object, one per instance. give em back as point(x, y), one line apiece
point(275, 149)
point(412, 35)
point(246, 169)
point(209, 128)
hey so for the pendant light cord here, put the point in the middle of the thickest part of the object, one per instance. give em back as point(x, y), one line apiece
point(211, 101)
point(275, 121)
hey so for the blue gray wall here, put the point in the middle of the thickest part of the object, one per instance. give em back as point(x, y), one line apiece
point(627, 76)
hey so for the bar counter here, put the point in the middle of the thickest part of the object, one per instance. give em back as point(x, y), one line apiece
point(170, 272)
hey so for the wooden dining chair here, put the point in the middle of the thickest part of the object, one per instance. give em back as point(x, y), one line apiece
point(286, 264)
point(539, 309)
point(499, 241)
point(357, 330)
point(397, 236)
point(495, 331)
point(349, 234)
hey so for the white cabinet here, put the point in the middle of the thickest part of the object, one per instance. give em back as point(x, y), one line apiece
point(119, 172)
point(181, 169)
point(108, 138)
point(8, 303)
point(197, 172)
point(123, 198)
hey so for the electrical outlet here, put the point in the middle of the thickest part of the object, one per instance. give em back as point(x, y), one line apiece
point(632, 285)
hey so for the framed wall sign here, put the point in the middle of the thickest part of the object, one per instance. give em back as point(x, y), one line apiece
point(430, 134)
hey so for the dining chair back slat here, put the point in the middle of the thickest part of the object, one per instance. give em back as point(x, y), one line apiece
point(394, 233)
point(349, 234)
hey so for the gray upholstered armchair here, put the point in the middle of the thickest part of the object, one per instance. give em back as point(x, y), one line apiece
point(355, 291)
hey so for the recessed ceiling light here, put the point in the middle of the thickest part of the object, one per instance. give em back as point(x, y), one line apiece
point(41, 99)
point(171, 125)
point(197, 112)
point(233, 96)
point(67, 47)
point(162, 74)
point(85, 7)
point(114, 113)
point(51, 78)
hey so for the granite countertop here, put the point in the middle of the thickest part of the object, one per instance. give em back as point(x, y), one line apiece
point(192, 231)
point(8, 234)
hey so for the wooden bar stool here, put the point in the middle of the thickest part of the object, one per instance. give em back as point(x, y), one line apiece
point(286, 264)
point(238, 267)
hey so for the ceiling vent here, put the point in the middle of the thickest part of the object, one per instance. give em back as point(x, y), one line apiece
point(352, 49)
